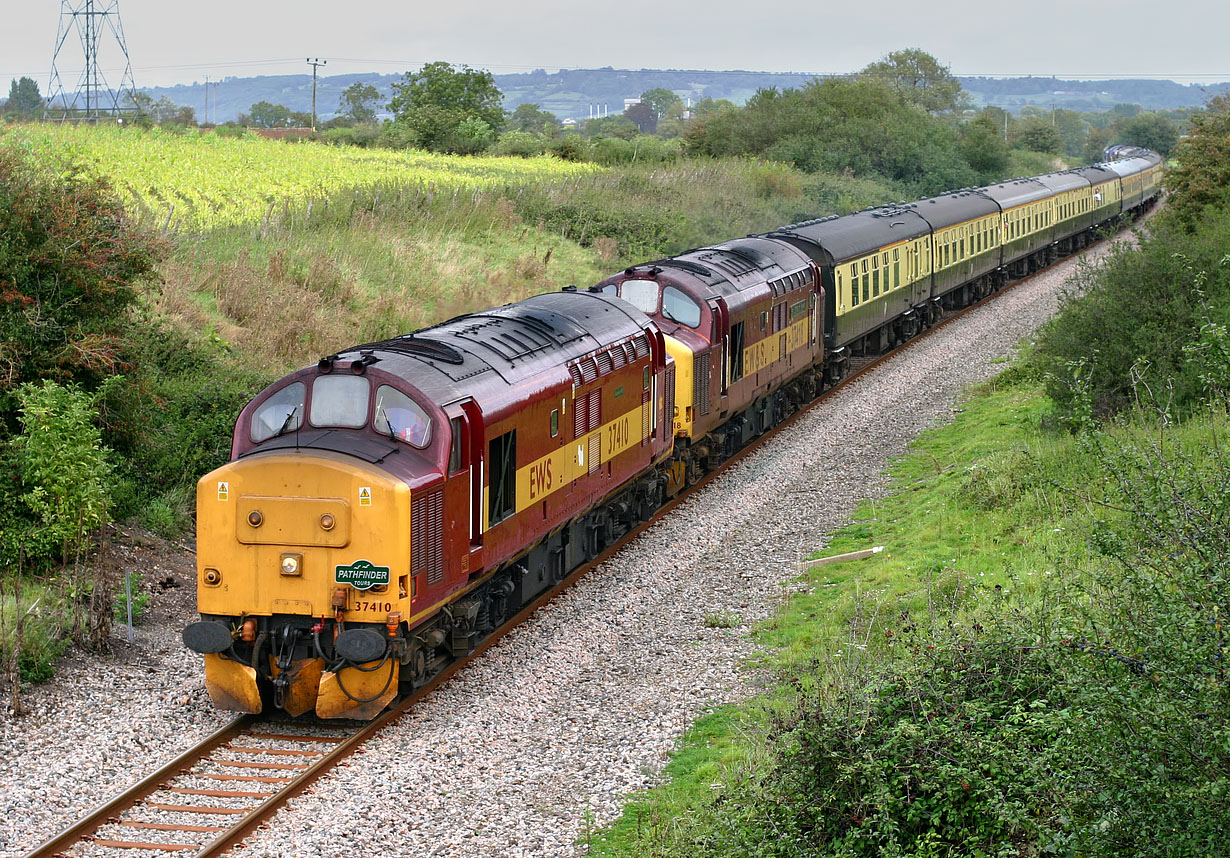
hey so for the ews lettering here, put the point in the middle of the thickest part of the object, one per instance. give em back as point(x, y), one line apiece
point(541, 478)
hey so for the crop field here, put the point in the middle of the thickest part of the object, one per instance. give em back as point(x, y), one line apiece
point(190, 181)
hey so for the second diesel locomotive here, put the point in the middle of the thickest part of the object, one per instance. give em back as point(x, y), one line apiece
point(391, 505)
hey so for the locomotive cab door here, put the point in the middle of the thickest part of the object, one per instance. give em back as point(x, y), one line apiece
point(465, 478)
point(721, 337)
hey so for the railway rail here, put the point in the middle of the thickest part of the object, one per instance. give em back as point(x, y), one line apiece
point(255, 765)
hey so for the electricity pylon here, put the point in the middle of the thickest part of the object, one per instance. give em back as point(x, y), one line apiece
point(93, 97)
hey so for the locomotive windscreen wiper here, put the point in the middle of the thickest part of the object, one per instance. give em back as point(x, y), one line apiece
point(286, 423)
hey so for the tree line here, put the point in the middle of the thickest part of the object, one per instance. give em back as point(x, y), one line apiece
point(904, 118)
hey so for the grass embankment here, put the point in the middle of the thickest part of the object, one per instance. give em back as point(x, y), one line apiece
point(1020, 672)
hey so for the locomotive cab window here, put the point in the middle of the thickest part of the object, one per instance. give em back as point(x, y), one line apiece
point(340, 400)
point(502, 493)
point(400, 417)
point(679, 307)
point(282, 412)
point(642, 294)
point(455, 458)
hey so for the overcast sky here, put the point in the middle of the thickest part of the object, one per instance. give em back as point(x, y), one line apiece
point(173, 42)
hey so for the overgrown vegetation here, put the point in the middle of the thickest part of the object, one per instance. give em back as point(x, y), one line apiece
point(1039, 664)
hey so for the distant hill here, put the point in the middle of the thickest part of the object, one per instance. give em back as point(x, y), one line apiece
point(576, 92)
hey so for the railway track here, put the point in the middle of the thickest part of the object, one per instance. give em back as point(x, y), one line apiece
point(212, 796)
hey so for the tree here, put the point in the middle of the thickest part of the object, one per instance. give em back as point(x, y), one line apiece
point(1202, 176)
point(919, 78)
point(1096, 142)
point(534, 120)
point(437, 99)
point(838, 124)
point(264, 114)
point(644, 117)
point(612, 126)
point(983, 145)
point(359, 102)
point(24, 98)
point(1036, 134)
point(660, 101)
point(1151, 130)
point(1073, 129)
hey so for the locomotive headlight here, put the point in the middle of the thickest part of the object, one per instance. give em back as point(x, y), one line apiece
point(292, 564)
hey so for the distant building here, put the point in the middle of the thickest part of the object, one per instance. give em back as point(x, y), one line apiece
point(628, 102)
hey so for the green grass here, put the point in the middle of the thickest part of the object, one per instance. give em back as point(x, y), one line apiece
point(974, 507)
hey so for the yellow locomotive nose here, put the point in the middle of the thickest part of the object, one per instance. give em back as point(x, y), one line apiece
point(323, 544)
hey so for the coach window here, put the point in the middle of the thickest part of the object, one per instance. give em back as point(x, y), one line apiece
point(854, 285)
point(554, 422)
point(340, 400)
point(679, 307)
point(896, 267)
point(282, 412)
point(400, 417)
point(502, 492)
point(866, 282)
point(875, 282)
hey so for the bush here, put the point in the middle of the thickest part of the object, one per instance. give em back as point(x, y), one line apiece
point(1129, 320)
point(570, 147)
point(39, 613)
point(356, 135)
point(520, 144)
point(70, 261)
point(64, 470)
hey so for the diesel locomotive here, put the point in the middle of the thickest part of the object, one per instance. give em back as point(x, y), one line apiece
point(390, 506)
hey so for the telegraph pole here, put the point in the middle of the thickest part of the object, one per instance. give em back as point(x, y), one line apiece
point(314, 63)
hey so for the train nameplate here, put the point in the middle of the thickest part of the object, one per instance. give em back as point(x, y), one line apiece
point(362, 574)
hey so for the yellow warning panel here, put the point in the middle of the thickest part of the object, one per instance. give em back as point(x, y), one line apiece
point(365, 495)
point(358, 694)
point(224, 491)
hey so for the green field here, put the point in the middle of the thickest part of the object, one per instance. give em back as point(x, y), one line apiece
point(191, 181)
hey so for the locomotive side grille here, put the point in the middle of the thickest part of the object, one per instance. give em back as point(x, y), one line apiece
point(700, 386)
point(595, 453)
point(595, 410)
point(668, 407)
point(418, 535)
point(589, 370)
point(575, 371)
point(618, 357)
point(579, 416)
point(435, 538)
point(605, 363)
